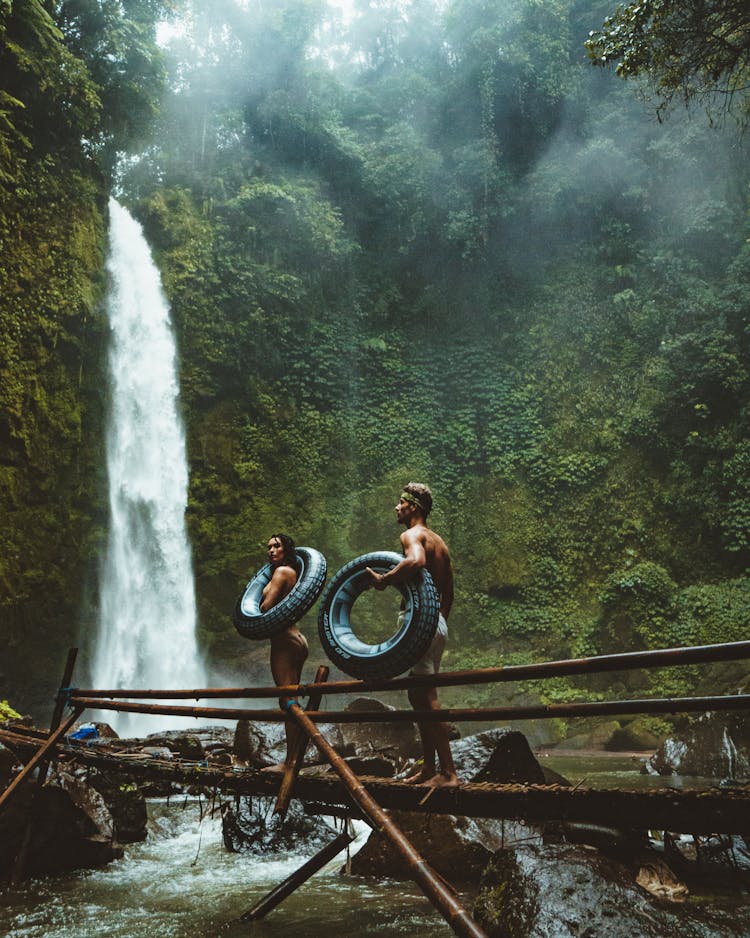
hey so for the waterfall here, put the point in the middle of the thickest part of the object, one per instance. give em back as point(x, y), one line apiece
point(147, 620)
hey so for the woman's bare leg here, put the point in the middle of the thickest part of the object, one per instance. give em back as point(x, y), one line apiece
point(288, 655)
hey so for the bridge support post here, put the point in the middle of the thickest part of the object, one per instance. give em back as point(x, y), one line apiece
point(442, 898)
point(297, 878)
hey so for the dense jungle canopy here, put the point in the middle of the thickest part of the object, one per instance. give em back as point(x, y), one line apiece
point(406, 240)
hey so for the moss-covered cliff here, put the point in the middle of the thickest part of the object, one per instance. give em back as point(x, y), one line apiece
point(447, 250)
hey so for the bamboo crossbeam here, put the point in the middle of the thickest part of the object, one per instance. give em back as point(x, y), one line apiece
point(598, 664)
point(432, 885)
point(457, 715)
point(698, 811)
point(300, 876)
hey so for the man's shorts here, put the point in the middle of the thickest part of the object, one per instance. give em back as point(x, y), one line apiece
point(429, 663)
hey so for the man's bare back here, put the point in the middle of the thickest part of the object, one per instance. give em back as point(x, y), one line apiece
point(437, 560)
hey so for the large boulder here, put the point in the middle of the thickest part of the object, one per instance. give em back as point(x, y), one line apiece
point(716, 745)
point(71, 827)
point(459, 848)
point(599, 736)
point(263, 744)
point(499, 755)
point(248, 826)
point(126, 804)
point(393, 740)
point(564, 891)
point(633, 736)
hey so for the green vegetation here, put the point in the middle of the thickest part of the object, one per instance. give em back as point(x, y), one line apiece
point(7, 712)
point(418, 246)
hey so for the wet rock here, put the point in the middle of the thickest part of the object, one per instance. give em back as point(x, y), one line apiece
point(259, 745)
point(105, 731)
point(553, 891)
point(458, 848)
point(500, 755)
point(391, 739)
point(252, 742)
point(71, 827)
point(721, 859)
point(599, 737)
point(378, 766)
point(188, 746)
point(9, 765)
point(249, 826)
point(126, 803)
point(219, 757)
point(716, 745)
point(660, 881)
point(613, 841)
point(633, 737)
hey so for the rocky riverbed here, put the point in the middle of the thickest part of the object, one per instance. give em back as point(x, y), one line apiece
point(523, 881)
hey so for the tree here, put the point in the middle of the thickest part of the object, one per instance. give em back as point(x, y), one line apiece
point(693, 49)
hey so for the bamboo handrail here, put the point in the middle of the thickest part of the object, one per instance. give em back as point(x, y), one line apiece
point(625, 661)
point(457, 715)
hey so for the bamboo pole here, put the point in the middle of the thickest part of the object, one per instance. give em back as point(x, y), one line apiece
point(443, 899)
point(39, 756)
point(277, 895)
point(62, 693)
point(298, 752)
point(597, 664)
point(458, 715)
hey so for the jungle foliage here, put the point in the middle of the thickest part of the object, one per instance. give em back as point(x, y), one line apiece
point(440, 246)
point(56, 141)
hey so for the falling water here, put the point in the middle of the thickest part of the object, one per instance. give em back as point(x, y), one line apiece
point(147, 603)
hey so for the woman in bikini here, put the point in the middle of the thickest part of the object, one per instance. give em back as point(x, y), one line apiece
point(289, 647)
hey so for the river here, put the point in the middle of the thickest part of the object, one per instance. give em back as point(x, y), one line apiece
point(182, 883)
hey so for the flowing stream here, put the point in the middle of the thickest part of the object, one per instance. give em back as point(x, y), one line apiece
point(147, 600)
point(182, 883)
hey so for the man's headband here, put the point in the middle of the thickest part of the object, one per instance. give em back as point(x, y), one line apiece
point(413, 499)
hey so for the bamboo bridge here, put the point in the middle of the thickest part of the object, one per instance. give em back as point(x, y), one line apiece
point(340, 792)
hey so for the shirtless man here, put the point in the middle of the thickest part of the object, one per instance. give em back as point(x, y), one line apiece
point(422, 547)
point(288, 648)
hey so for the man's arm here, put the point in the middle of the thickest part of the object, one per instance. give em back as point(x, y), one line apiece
point(279, 586)
point(446, 590)
point(414, 559)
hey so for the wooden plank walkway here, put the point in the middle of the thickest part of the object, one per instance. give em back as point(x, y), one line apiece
point(704, 811)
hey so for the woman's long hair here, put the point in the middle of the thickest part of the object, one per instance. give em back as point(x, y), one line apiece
point(290, 551)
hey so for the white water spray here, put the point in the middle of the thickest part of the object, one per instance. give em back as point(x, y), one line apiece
point(147, 598)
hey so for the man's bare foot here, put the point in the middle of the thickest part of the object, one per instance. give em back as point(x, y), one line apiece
point(442, 780)
point(419, 778)
point(277, 769)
